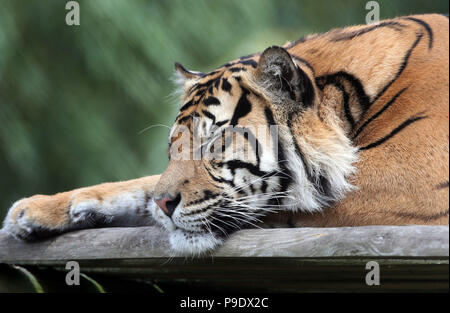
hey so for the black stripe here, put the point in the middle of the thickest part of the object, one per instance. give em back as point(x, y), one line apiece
point(211, 73)
point(393, 133)
point(226, 140)
point(307, 89)
point(205, 85)
point(321, 184)
point(221, 123)
point(227, 65)
point(421, 216)
point(219, 180)
point(191, 89)
point(237, 69)
point(256, 145)
point(443, 185)
point(217, 82)
point(252, 63)
point(210, 116)
point(226, 86)
point(248, 56)
point(233, 165)
point(427, 28)
point(286, 176)
point(299, 151)
point(384, 108)
point(208, 195)
point(402, 68)
point(252, 188)
point(211, 101)
point(184, 118)
point(348, 36)
point(187, 106)
point(363, 99)
point(243, 107)
point(347, 111)
point(204, 209)
point(296, 42)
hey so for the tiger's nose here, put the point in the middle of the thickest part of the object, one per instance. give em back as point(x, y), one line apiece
point(168, 203)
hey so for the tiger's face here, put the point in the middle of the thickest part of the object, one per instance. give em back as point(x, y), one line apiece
point(231, 150)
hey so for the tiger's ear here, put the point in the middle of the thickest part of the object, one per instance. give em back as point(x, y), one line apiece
point(184, 74)
point(279, 75)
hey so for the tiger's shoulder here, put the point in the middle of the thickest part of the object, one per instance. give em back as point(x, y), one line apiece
point(373, 64)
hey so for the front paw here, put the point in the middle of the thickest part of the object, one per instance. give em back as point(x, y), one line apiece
point(37, 217)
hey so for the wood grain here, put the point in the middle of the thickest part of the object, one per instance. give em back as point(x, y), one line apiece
point(411, 259)
point(151, 242)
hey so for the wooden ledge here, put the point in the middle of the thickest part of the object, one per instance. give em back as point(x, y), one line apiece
point(151, 242)
point(411, 258)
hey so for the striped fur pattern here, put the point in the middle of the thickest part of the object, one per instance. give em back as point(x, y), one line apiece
point(361, 138)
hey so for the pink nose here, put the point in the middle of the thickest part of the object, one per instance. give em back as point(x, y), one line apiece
point(168, 204)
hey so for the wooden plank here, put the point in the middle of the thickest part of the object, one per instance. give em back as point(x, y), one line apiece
point(151, 242)
point(411, 258)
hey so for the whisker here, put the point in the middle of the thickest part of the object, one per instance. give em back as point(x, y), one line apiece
point(228, 223)
point(247, 221)
point(236, 190)
point(219, 228)
point(252, 218)
point(151, 126)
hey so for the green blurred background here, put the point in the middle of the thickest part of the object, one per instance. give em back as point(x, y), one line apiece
point(76, 102)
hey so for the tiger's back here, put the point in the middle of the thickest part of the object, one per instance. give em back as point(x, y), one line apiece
point(392, 85)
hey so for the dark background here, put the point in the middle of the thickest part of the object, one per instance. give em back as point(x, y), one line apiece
point(76, 102)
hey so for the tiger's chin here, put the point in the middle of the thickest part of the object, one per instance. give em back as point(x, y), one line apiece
point(188, 243)
point(185, 242)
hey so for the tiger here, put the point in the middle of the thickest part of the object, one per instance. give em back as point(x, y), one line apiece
point(340, 129)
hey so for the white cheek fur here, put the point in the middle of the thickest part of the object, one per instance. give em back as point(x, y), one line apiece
point(184, 242)
point(194, 244)
point(332, 160)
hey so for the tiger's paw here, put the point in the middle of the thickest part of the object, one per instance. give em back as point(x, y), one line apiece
point(37, 217)
point(43, 216)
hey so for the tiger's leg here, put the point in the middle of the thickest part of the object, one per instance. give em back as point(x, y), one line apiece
point(128, 203)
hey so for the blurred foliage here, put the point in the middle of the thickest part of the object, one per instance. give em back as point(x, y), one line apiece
point(76, 101)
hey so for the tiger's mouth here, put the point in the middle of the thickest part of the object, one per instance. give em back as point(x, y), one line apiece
point(197, 231)
point(209, 219)
point(188, 238)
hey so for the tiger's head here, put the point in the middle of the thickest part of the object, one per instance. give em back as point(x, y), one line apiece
point(249, 140)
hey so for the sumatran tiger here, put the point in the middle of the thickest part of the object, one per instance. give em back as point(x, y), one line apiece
point(345, 128)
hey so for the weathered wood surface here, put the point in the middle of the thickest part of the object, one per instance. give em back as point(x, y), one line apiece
point(151, 242)
point(411, 258)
